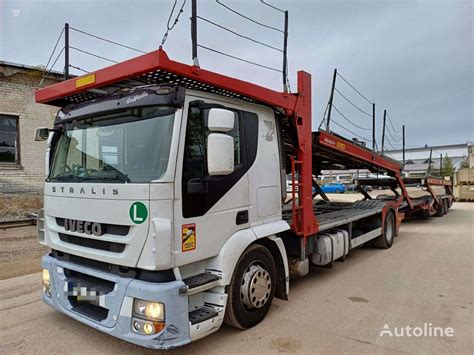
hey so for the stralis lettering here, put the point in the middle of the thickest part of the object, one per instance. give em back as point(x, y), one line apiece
point(83, 227)
point(82, 190)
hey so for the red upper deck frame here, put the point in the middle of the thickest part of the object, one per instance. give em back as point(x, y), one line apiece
point(156, 68)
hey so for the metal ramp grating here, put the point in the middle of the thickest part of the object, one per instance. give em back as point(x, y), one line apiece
point(151, 78)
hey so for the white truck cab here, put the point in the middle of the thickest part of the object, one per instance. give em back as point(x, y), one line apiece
point(160, 204)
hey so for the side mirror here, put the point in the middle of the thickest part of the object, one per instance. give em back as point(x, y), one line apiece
point(41, 134)
point(220, 120)
point(220, 154)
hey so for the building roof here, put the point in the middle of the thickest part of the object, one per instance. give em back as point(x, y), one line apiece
point(423, 164)
point(434, 147)
point(14, 68)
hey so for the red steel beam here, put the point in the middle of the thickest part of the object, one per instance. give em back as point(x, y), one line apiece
point(158, 60)
point(438, 182)
point(353, 150)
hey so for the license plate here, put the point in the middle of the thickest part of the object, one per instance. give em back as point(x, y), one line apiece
point(80, 293)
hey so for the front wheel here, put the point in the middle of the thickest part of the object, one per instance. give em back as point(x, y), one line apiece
point(385, 241)
point(251, 290)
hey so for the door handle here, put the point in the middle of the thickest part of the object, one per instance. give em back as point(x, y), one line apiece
point(242, 217)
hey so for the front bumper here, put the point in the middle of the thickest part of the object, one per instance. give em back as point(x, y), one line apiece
point(117, 305)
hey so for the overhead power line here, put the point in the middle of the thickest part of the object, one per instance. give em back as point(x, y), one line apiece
point(390, 134)
point(238, 58)
point(238, 34)
point(357, 107)
point(92, 54)
point(106, 40)
point(348, 130)
point(46, 75)
point(248, 18)
point(347, 82)
point(272, 6)
point(391, 124)
point(80, 69)
point(348, 120)
point(169, 27)
point(51, 56)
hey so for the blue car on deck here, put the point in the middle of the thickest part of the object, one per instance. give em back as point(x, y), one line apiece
point(334, 187)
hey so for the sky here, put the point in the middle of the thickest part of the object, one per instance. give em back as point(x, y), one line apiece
point(412, 58)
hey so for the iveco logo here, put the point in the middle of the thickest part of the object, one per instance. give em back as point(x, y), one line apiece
point(83, 227)
point(136, 97)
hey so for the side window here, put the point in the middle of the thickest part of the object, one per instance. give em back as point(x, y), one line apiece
point(244, 133)
point(196, 143)
point(194, 148)
point(9, 144)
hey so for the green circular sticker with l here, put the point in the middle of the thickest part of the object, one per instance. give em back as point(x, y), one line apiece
point(138, 212)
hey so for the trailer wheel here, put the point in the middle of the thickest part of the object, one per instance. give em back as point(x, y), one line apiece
point(440, 210)
point(385, 241)
point(251, 289)
point(446, 205)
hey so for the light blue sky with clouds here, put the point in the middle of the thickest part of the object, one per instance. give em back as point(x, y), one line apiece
point(414, 58)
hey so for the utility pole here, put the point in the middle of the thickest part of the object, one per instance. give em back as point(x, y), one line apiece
point(285, 55)
point(331, 98)
point(403, 139)
point(441, 165)
point(429, 161)
point(383, 129)
point(66, 51)
point(373, 126)
point(194, 32)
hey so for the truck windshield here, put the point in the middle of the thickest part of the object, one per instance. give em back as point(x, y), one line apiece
point(126, 146)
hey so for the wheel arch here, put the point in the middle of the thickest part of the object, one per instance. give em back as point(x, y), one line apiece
point(265, 235)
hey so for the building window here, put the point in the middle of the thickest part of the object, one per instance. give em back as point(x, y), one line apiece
point(9, 140)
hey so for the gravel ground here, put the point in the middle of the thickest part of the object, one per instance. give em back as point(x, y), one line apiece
point(426, 277)
point(16, 206)
point(20, 252)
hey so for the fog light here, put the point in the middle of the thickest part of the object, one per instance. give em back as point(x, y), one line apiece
point(147, 327)
point(46, 282)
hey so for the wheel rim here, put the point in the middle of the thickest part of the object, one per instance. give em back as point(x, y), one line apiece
point(389, 229)
point(256, 286)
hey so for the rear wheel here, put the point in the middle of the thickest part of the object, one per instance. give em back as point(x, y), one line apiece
point(446, 205)
point(440, 209)
point(385, 241)
point(338, 191)
point(251, 290)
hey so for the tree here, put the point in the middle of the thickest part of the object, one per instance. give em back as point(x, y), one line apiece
point(448, 167)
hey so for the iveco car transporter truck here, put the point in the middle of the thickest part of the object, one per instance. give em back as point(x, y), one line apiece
point(165, 205)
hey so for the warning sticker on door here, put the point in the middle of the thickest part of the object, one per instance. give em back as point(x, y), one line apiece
point(188, 237)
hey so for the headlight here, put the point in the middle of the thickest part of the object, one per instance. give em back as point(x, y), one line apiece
point(46, 282)
point(149, 317)
point(149, 310)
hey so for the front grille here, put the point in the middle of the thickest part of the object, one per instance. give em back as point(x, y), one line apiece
point(92, 243)
point(94, 264)
point(115, 229)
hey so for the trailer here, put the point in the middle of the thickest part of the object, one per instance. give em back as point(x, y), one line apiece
point(165, 205)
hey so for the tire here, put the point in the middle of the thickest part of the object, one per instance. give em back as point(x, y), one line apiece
point(445, 205)
point(385, 241)
point(440, 210)
point(338, 191)
point(247, 305)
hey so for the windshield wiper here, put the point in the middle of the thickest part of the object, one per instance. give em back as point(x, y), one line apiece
point(65, 177)
point(109, 175)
